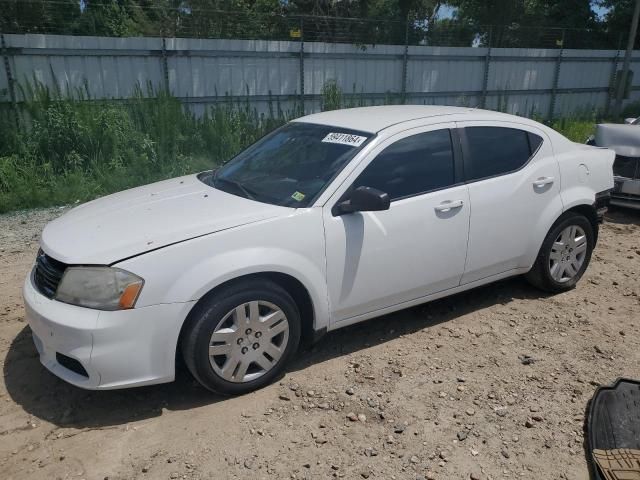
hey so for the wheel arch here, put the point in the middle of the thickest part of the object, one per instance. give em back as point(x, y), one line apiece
point(292, 285)
point(583, 200)
point(588, 211)
point(539, 275)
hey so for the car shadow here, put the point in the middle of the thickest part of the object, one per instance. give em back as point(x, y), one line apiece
point(45, 396)
point(49, 398)
point(623, 216)
point(351, 339)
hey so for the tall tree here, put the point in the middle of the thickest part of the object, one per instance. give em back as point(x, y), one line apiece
point(38, 16)
point(617, 21)
point(125, 17)
point(523, 22)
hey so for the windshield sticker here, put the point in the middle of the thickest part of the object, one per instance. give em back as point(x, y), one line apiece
point(344, 139)
point(298, 197)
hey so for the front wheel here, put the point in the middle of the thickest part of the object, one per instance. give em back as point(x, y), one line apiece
point(564, 255)
point(241, 338)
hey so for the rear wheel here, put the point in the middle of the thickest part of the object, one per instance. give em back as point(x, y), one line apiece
point(241, 338)
point(564, 255)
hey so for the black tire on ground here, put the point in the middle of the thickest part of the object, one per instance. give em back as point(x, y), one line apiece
point(539, 275)
point(208, 313)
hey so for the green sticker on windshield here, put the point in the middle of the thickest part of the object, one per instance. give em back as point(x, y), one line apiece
point(297, 196)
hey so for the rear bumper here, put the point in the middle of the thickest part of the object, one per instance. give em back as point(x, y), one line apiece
point(601, 204)
point(114, 349)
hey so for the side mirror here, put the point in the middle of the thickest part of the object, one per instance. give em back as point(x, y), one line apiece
point(629, 121)
point(363, 199)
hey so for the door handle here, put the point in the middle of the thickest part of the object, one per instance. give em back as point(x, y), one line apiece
point(542, 181)
point(448, 205)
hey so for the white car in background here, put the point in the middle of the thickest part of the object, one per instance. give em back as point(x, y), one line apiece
point(333, 219)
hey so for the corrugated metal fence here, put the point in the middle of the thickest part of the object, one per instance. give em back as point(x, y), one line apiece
point(545, 82)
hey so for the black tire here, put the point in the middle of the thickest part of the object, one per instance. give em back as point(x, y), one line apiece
point(540, 275)
point(208, 314)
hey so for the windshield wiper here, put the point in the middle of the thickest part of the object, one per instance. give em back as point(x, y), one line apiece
point(235, 184)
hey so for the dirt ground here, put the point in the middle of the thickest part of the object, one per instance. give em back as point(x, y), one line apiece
point(439, 391)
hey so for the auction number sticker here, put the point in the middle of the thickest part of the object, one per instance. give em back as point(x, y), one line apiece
point(344, 139)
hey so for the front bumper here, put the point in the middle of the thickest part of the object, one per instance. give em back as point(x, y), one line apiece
point(115, 349)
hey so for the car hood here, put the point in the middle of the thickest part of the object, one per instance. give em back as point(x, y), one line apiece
point(146, 218)
point(623, 139)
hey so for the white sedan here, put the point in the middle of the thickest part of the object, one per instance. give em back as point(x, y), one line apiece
point(333, 219)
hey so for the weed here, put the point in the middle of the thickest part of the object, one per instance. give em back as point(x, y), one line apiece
point(63, 147)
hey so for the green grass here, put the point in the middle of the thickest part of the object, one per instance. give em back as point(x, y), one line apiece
point(70, 148)
point(575, 130)
point(66, 148)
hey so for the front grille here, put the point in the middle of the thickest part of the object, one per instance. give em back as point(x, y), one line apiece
point(626, 167)
point(47, 274)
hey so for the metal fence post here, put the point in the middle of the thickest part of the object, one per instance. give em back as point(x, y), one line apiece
point(485, 79)
point(556, 78)
point(10, 80)
point(405, 61)
point(612, 82)
point(302, 65)
point(165, 66)
point(626, 62)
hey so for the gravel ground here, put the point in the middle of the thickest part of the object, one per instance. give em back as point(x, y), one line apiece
point(492, 383)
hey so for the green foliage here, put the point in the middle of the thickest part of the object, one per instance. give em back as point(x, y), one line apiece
point(118, 18)
point(502, 23)
point(520, 23)
point(534, 13)
point(617, 21)
point(38, 16)
point(580, 125)
point(71, 149)
point(575, 130)
point(331, 95)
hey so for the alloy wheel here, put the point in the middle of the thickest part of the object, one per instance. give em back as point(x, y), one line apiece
point(248, 341)
point(568, 253)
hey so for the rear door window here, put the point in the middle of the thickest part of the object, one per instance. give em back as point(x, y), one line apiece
point(493, 151)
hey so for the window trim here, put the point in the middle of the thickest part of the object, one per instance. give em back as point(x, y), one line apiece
point(466, 151)
point(339, 171)
point(458, 167)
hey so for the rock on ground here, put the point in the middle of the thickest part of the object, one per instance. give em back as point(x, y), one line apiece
point(399, 375)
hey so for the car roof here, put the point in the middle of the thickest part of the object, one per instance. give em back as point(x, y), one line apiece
point(375, 119)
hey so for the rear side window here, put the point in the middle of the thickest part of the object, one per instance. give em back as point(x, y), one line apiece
point(492, 151)
point(413, 165)
point(534, 142)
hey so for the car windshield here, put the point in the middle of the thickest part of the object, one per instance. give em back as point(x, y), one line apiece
point(291, 166)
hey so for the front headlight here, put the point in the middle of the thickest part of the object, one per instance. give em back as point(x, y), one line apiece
point(102, 288)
